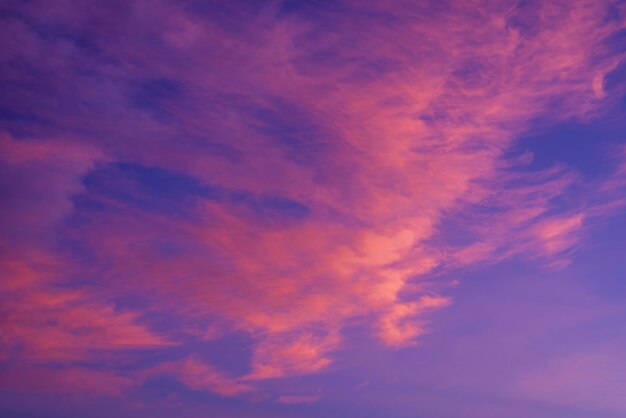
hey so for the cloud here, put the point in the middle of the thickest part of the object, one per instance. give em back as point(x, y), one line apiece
point(199, 375)
point(522, 214)
point(39, 174)
point(288, 355)
point(47, 325)
point(398, 326)
point(286, 176)
point(43, 321)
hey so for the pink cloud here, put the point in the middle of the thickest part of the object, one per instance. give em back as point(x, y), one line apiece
point(199, 375)
point(46, 325)
point(398, 326)
point(378, 134)
point(41, 321)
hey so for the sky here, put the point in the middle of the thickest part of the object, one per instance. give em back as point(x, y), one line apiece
point(312, 208)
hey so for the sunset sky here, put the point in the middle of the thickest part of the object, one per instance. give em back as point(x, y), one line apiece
point(312, 209)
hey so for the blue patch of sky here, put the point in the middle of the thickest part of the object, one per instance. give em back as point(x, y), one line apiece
point(172, 193)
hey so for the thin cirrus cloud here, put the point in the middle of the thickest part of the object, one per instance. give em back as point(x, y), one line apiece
point(275, 171)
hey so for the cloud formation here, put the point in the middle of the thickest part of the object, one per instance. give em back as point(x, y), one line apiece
point(274, 170)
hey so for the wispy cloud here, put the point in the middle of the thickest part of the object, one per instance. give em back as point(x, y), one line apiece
point(282, 173)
